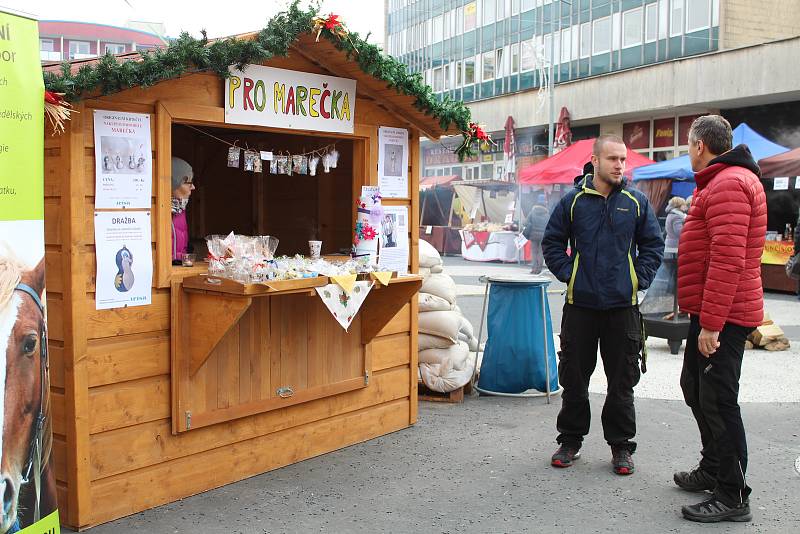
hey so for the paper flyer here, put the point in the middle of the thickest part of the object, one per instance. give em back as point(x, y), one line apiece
point(394, 239)
point(393, 162)
point(124, 259)
point(123, 160)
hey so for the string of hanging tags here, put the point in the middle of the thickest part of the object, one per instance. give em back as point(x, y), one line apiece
point(283, 162)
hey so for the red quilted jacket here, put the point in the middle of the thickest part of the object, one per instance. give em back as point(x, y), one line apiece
point(719, 253)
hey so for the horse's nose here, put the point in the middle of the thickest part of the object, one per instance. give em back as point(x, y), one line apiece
point(7, 486)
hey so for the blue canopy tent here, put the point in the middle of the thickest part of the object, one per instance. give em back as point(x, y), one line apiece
point(679, 170)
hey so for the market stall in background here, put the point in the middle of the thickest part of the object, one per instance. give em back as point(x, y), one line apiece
point(439, 206)
point(173, 375)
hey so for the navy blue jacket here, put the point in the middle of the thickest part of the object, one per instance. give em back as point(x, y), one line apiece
point(616, 245)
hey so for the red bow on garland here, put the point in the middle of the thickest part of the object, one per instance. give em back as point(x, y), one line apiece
point(332, 24)
point(474, 133)
point(57, 110)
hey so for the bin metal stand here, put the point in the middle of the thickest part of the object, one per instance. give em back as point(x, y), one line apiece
point(542, 282)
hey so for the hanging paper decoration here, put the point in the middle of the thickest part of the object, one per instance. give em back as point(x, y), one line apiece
point(344, 306)
point(57, 110)
point(233, 156)
point(312, 165)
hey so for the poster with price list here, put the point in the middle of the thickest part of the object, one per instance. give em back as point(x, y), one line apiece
point(123, 160)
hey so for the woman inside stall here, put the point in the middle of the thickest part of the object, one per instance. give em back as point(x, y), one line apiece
point(182, 187)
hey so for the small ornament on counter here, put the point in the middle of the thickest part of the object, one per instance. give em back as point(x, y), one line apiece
point(313, 161)
point(233, 156)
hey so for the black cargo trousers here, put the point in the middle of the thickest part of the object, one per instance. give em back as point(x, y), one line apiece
point(711, 389)
point(619, 333)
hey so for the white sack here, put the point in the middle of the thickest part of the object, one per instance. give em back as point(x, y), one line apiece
point(440, 285)
point(428, 302)
point(440, 323)
point(428, 255)
point(427, 341)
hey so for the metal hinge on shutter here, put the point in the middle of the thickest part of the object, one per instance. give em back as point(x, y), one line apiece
point(188, 420)
point(366, 378)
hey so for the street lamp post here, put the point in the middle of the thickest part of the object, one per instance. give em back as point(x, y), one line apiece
point(551, 82)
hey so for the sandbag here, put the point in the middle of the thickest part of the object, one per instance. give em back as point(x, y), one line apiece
point(466, 327)
point(440, 323)
point(424, 272)
point(428, 255)
point(444, 377)
point(436, 269)
point(473, 344)
point(427, 341)
point(440, 285)
point(428, 302)
point(456, 354)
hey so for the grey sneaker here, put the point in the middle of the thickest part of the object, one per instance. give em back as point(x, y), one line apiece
point(713, 511)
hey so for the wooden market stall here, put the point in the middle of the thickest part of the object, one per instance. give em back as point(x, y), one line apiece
point(211, 384)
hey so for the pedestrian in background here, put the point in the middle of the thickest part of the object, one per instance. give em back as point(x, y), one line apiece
point(535, 224)
point(719, 286)
point(616, 248)
point(676, 215)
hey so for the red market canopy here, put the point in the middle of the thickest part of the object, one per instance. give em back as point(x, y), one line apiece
point(785, 164)
point(562, 168)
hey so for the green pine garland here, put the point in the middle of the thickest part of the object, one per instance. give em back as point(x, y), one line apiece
point(187, 55)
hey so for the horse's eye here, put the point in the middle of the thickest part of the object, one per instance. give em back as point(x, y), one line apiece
point(29, 345)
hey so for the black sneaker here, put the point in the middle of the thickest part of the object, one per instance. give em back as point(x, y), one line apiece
point(714, 511)
point(564, 456)
point(695, 480)
point(622, 461)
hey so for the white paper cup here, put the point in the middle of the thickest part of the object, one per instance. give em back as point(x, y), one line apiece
point(315, 247)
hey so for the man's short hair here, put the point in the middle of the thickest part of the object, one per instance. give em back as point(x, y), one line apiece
point(714, 131)
point(597, 147)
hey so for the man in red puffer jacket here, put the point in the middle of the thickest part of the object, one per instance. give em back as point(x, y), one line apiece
point(719, 286)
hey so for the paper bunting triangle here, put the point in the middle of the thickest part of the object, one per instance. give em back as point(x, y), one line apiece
point(342, 305)
point(383, 277)
point(345, 281)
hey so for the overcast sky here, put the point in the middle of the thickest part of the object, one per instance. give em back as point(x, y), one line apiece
point(218, 19)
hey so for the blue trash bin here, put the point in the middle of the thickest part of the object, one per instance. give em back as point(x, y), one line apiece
point(519, 326)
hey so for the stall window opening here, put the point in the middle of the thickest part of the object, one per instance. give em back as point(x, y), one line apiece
point(294, 208)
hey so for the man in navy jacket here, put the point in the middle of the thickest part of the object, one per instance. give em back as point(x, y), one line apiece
point(615, 248)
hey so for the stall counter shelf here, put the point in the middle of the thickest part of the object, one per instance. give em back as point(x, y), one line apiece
point(223, 328)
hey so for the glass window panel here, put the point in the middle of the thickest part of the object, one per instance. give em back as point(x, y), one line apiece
point(470, 16)
point(586, 39)
point(459, 73)
point(575, 42)
point(488, 12)
point(488, 66)
point(698, 15)
point(651, 24)
point(469, 70)
point(676, 18)
point(46, 45)
point(632, 27)
point(616, 31)
point(566, 45)
point(437, 80)
point(601, 35)
point(663, 18)
point(514, 58)
point(447, 77)
point(528, 55)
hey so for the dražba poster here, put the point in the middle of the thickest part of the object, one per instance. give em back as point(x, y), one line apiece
point(28, 478)
point(393, 162)
point(394, 239)
point(123, 160)
point(124, 259)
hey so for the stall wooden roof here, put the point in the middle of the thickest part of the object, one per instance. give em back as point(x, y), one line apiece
point(326, 56)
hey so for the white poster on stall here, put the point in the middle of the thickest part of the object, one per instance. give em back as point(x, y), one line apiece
point(124, 259)
point(394, 239)
point(393, 162)
point(123, 160)
point(780, 184)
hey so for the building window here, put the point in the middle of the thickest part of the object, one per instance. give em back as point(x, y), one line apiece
point(447, 25)
point(46, 45)
point(515, 7)
point(78, 49)
point(459, 73)
point(438, 29)
point(514, 58)
point(527, 5)
point(500, 64)
point(447, 77)
point(632, 27)
point(470, 16)
point(698, 15)
point(676, 19)
point(601, 35)
point(663, 19)
point(586, 39)
point(651, 23)
point(488, 66)
point(114, 48)
point(528, 55)
point(501, 9)
point(488, 12)
point(566, 45)
point(437, 80)
point(469, 70)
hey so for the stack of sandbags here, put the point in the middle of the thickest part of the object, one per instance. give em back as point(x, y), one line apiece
point(446, 339)
point(768, 336)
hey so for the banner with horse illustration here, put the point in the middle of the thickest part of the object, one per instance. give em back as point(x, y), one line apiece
point(27, 474)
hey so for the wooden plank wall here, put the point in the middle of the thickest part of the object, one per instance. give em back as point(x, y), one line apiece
point(114, 449)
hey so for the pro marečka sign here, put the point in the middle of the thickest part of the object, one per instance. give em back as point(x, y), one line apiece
point(280, 98)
